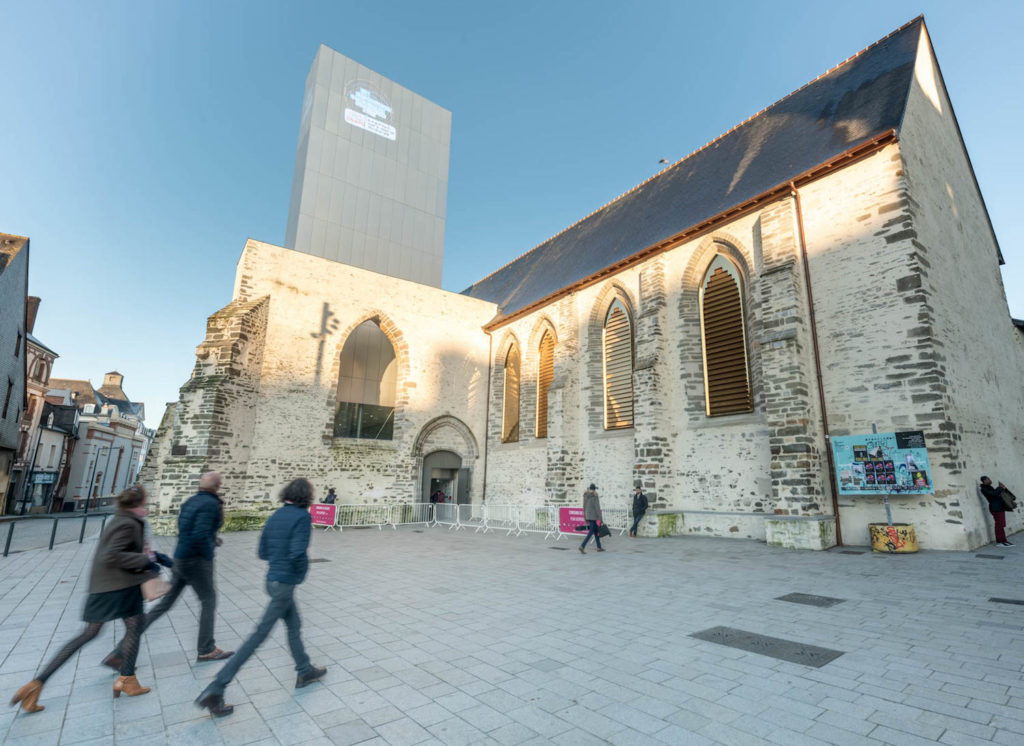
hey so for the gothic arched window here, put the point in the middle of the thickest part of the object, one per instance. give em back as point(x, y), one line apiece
point(367, 380)
point(510, 397)
point(545, 374)
point(618, 368)
point(723, 333)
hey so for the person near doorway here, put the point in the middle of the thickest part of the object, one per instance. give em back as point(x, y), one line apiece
point(591, 514)
point(199, 520)
point(997, 507)
point(119, 568)
point(284, 545)
point(639, 508)
point(331, 498)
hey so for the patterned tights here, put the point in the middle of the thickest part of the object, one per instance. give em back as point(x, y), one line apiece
point(129, 647)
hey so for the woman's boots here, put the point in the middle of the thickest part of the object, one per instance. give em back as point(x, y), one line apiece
point(129, 685)
point(28, 695)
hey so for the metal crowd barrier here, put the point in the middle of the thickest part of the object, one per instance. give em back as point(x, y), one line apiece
point(12, 521)
point(410, 514)
point(618, 519)
point(363, 516)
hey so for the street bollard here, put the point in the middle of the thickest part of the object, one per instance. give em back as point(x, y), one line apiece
point(10, 533)
point(53, 533)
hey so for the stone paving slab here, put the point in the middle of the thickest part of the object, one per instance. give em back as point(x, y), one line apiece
point(451, 637)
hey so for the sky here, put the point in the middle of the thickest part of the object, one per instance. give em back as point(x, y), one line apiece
point(143, 142)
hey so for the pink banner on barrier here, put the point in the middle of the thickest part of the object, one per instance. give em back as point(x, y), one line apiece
point(323, 515)
point(569, 519)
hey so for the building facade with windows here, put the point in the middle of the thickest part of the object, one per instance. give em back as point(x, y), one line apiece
point(14, 252)
point(825, 268)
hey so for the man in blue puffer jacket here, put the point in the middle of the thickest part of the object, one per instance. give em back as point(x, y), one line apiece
point(199, 520)
point(283, 544)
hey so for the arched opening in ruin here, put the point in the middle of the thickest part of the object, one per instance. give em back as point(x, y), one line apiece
point(443, 475)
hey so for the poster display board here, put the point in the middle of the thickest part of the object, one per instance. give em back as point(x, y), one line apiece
point(883, 464)
point(569, 519)
point(324, 515)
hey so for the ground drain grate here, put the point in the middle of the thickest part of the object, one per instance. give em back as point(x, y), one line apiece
point(318, 559)
point(417, 530)
point(773, 647)
point(560, 549)
point(811, 600)
point(1016, 601)
point(990, 556)
point(846, 551)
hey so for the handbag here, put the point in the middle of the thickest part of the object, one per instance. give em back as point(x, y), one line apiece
point(603, 531)
point(1009, 499)
point(155, 588)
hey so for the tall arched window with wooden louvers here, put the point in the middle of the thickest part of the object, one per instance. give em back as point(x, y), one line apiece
point(726, 371)
point(510, 397)
point(618, 368)
point(545, 374)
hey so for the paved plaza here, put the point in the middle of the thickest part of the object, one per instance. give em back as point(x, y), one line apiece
point(441, 637)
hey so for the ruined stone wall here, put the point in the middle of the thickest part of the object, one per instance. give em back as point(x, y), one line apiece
point(441, 354)
point(976, 347)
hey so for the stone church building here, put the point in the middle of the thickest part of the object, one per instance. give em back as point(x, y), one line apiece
point(825, 268)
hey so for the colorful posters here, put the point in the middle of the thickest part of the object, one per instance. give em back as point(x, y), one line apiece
point(883, 463)
point(323, 515)
point(569, 519)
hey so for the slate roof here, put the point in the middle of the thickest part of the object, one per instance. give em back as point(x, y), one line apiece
point(855, 102)
point(34, 340)
point(81, 391)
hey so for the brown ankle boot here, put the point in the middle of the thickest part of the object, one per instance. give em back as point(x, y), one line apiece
point(28, 695)
point(130, 686)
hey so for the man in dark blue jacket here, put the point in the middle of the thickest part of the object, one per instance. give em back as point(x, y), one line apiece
point(283, 545)
point(199, 520)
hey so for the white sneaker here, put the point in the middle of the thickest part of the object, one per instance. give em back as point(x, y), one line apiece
point(1003, 544)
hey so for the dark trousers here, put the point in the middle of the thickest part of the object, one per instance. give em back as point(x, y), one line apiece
point(198, 573)
point(636, 521)
point(281, 606)
point(1000, 519)
point(592, 532)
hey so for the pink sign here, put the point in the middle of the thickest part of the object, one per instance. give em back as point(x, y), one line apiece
point(569, 519)
point(323, 515)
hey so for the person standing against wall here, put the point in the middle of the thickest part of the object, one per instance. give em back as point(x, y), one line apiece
point(639, 508)
point(997, 507)
point(283, 544)
point(591, 514)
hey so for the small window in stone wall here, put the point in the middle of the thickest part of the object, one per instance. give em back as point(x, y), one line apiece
point(723, 333)
point(510, 397)
point(367, 382)
point(545, 375)
point(179, 450)
point(618, 368)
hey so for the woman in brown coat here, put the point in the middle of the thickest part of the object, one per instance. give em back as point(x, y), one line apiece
point(119, 567)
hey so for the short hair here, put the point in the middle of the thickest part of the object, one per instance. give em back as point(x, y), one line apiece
point(299, 492)
point(211, 479)
point(132, 497)
point(593, 486)
point(983, 478)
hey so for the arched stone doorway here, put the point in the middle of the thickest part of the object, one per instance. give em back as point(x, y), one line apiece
point(446, 452)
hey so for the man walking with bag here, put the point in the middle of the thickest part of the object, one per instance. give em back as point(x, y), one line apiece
point(591, 514)
point(199, 520)
point(283, 544)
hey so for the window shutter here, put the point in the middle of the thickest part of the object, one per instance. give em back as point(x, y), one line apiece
point(725, 352)
point(510, 410)
point(618, 370)
point(545, 374)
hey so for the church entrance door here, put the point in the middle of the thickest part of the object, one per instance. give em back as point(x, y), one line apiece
point(442, 471)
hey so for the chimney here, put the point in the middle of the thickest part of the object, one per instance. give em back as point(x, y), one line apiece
point(113, 378)
point(31, 309)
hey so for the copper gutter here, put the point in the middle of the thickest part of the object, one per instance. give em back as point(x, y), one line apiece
point(856, 153)
point(817, 359)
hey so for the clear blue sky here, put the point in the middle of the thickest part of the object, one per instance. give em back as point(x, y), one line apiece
point(143, 142)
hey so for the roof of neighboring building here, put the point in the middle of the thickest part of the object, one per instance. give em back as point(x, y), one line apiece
point(859, 100)
point(123, 405)
point(31, 338)
point(63, 416)
point(10, 245)
point(82, 392)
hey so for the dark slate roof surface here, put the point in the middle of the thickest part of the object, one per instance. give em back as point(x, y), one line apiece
point(858, 100)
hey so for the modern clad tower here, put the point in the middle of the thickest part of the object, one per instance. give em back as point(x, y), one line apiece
point(371, 173)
